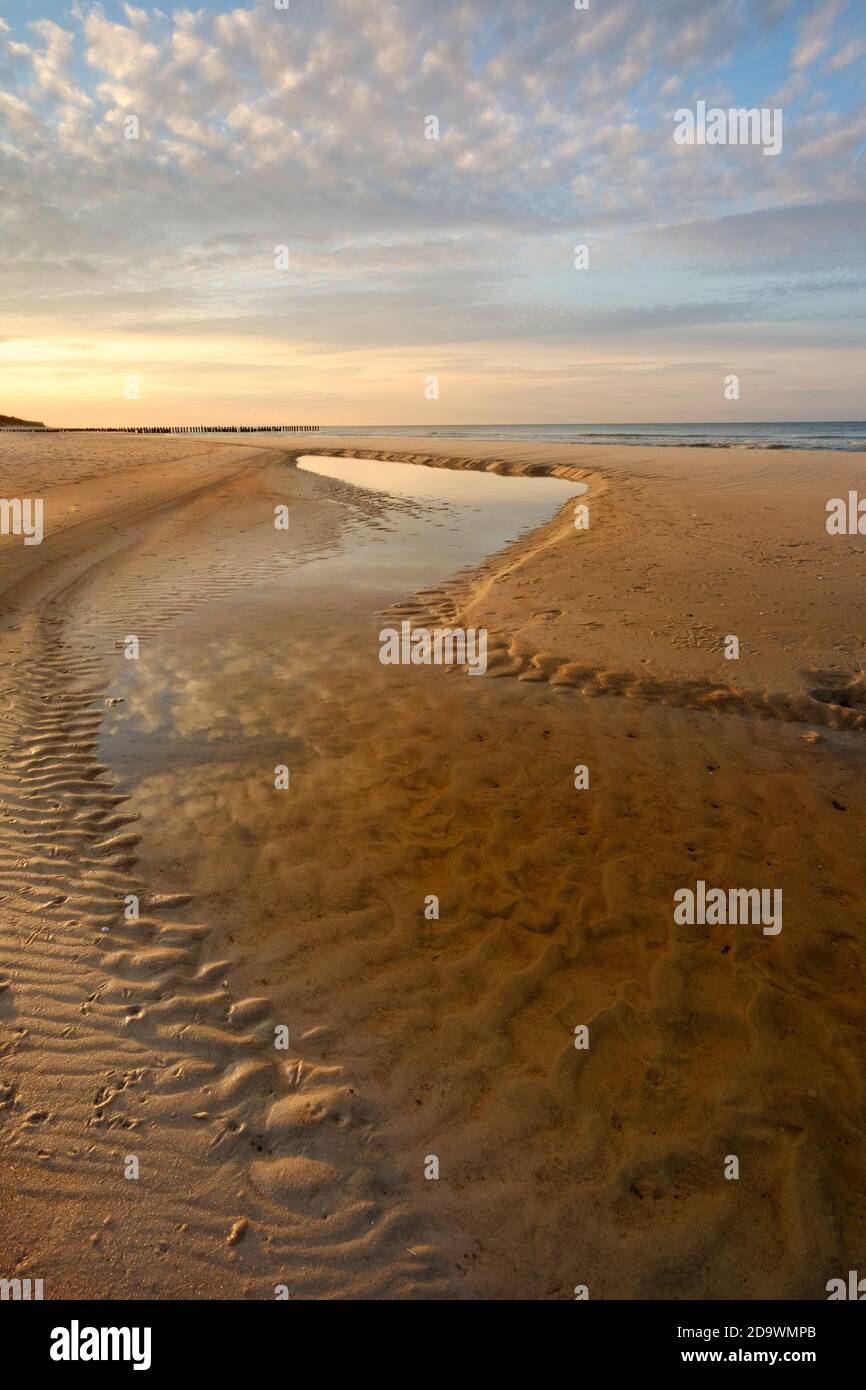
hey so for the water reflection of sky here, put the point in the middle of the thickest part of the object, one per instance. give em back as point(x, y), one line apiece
point(236, 668)
point(461, 517)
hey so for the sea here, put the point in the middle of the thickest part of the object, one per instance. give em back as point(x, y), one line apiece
point(765, 434)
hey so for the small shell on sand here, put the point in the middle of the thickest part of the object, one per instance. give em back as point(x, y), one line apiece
point(238, 1231)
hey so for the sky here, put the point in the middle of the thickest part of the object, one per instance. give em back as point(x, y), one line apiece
point(138, 277)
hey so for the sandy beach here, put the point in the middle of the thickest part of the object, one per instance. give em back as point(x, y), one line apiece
point(303, 1168)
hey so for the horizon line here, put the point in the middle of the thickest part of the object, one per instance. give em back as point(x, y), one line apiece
point(35, 425)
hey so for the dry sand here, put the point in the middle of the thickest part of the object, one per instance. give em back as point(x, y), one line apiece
point(410, 1037)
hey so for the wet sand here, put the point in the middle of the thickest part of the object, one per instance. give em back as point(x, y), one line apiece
point(411, 1037)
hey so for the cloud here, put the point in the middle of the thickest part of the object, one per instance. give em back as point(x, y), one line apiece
point(835, 143)
point(847, 54)
point(50, 63)
point(16, 115)
point(815, 33)
point(119, 49)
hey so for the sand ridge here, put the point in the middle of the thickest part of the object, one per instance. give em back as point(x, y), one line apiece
point(684, 547)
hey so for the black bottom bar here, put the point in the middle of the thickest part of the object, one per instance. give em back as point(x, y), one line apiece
point(59, 1338)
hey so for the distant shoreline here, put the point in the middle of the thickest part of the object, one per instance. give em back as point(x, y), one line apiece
point(12, 422)
point(23, 427)
point(837, 436)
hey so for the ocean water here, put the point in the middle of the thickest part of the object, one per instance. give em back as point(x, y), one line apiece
point(778, 434)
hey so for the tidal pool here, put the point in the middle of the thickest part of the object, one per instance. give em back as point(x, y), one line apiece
point(434, 521)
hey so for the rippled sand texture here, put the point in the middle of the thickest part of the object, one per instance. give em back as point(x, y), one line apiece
point(412, 1037)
